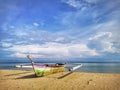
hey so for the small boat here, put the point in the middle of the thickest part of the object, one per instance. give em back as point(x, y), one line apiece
point(45, 69)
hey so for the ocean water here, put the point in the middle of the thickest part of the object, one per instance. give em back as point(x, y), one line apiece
point(86, 67)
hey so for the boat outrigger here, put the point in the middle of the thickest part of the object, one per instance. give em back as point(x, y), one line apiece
point(45, 69)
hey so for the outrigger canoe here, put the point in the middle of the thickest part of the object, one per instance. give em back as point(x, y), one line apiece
point(45, 69)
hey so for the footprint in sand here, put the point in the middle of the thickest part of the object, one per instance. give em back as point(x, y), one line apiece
point(88, 82)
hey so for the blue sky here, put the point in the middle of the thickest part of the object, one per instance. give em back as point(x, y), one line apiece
point(60, 29)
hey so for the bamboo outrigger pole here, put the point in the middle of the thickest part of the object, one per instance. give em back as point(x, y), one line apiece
point(28, 56)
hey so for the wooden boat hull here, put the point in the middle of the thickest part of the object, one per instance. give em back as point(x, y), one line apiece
point(45, 69)
point(42, 70)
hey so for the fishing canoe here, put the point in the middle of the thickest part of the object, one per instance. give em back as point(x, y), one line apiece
point(42, 70)
point(45, 69)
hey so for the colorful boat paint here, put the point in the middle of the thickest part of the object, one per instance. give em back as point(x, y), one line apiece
point(45, 69)
point(42, 70)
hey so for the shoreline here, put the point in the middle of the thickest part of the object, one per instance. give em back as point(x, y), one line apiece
point(25, 79)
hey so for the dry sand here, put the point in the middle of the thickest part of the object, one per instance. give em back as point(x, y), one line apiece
point(25, 80)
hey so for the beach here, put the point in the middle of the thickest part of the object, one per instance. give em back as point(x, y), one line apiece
point(26, 80)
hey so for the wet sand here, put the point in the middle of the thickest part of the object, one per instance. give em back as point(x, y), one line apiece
point(26, 80)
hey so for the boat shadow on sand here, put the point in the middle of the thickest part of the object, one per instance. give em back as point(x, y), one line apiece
point(48, 76)
point(27, 76)
point(63, 76)
point(18, 73)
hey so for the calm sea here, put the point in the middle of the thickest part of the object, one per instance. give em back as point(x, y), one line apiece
point(86, 67)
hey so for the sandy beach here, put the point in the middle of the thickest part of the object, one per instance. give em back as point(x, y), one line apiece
point(25, 80)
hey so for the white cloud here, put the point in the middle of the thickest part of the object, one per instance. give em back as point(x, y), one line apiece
point(12, 26)
point(52, 50)
point(101, 35)
point(59, 39)
point(91, 1)
point(35, 24)
point(5, 44)
point(101, 42)
point(74, 3)
point(20, 33)
point(18, 55)
point(78, 4)
point(81, 50)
